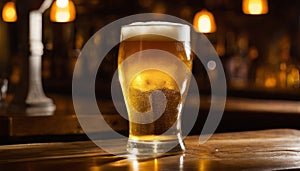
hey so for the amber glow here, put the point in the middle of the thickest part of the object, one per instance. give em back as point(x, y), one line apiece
point(9, 12)
point(204, 22)
point(255, 7)
point(62, 11)
point(293, 78)
point(270, 82)
point(155, 165)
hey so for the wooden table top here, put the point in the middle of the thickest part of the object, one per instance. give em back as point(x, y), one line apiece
point(255, 150)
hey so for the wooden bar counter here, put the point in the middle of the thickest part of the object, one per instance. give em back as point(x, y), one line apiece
point(274, 149)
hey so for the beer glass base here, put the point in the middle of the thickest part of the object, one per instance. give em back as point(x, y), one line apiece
point(155, 148)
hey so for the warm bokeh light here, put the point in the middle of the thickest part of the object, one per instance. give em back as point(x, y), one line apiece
point(62, 11)
point(9, 12)
point(270, 82)
point(255, 7)
point(204, 22)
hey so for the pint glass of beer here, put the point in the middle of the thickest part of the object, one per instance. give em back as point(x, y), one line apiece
point(154, 65)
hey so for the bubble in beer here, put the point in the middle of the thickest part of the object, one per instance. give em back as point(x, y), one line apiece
point(145, 93)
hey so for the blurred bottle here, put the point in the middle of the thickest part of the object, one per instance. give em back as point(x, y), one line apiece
point(239, 64)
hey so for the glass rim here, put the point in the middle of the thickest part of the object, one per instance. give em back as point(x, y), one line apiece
point(156, 23)
point(177, 31)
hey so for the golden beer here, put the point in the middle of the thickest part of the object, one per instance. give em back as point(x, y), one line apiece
point(149, 78)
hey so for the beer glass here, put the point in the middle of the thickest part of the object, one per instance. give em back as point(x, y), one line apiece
point(154, 66)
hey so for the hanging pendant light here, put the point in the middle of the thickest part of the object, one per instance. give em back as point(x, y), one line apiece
point(255, 7)
point(204, 22)
point(62, 11)
point(9, 12)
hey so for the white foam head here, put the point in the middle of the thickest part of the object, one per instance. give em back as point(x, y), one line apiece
point(177, 31)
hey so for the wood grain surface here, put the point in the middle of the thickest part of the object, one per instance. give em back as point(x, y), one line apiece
point(276, 149)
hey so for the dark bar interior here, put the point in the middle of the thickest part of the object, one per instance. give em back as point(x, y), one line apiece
point(259, 53)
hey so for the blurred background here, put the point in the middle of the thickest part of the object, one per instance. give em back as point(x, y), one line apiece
point(259, 50)
point(260, 53)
